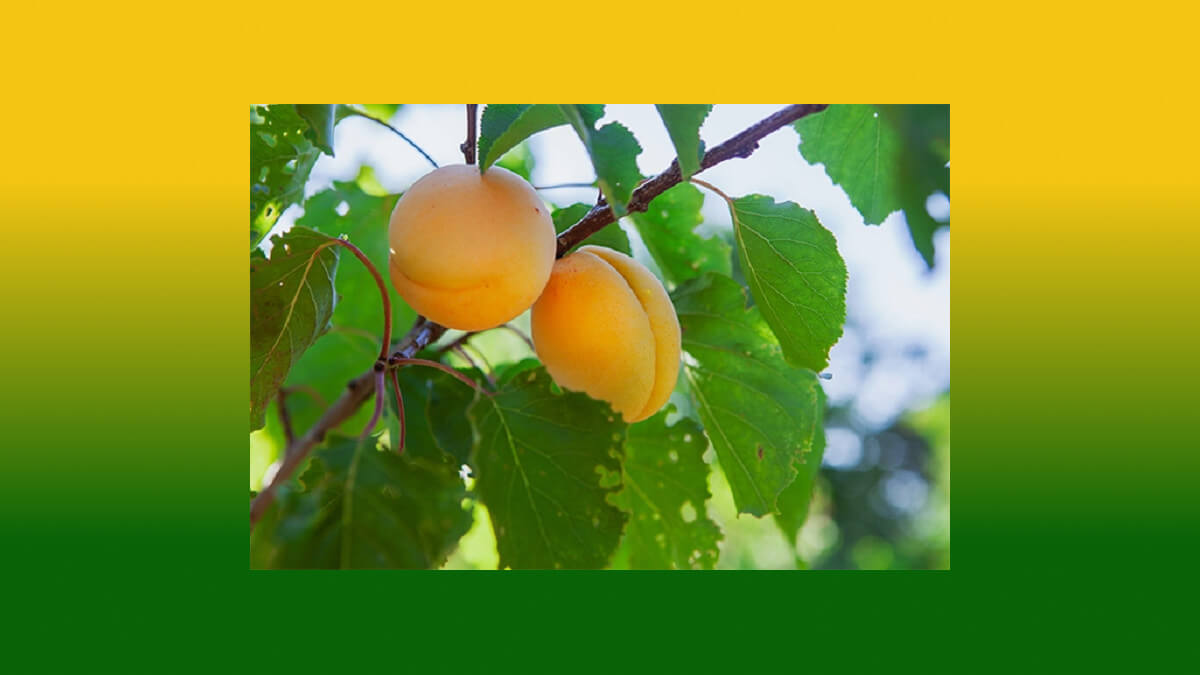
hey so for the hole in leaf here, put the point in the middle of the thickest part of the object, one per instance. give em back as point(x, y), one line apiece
point(687, 512)
point(937, 205)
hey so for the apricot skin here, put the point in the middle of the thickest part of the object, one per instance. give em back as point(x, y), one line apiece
point(470, 251)
point(604, 325)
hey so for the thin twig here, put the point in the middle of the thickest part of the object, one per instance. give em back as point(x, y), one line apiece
point(741, 145)
point(462, 339)
point(564, 185)
point(284, 417)
point(398, 133)
point(462, 353)
point(457, 341)
point(468, 146)
point(487, 370)
point(442, 367)
point(519, 333)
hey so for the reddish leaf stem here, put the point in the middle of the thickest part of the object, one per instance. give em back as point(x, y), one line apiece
point(383, 295)
point(442, 367)
point(399, 443)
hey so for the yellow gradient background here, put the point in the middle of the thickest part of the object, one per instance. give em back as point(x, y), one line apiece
point(123, 199)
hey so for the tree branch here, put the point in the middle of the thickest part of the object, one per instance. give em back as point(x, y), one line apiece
point(357, 392)
point(741, 145)
point(425, 332)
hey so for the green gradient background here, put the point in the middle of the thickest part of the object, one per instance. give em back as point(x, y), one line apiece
point(123, 499)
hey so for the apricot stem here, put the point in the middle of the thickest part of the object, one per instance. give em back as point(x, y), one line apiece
point(468, 146)
point(383, 294)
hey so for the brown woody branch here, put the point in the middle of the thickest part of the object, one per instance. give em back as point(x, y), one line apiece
point(425, 332)
point(741, 145)
point(357, 392)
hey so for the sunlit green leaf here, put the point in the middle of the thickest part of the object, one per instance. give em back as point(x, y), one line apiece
point(760, 413)
point(683, 125)
point(796, 275)
point(886, 158)
point(282, 154)
point(519, 160)
point(611, 235)
point(795, 499)
point(545, 466)
point(613, 151)
point(667, 228)
point(665, 488)
point(291, 302)
point(320, 118)
point(504, 125)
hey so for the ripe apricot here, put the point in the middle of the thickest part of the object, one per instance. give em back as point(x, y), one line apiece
point(469, 250)
point(604, 325)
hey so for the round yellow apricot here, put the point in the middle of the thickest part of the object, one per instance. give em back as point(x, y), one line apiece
point(469, 250)
point(604, 325)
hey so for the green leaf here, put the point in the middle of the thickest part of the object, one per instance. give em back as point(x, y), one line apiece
point(364, 224)
point(760, 413)
point(291, 302)
point(435, 413)
point(504, 125)
point(667, 228)
point(545, 465)
point(320, 118)
point(381, 111)
point(364, 508)
point(925, 130)
point(282, 154)
point(613, 151)
point(610, 235)
point(886, 158)
point(519, 160)
point(665, 488)
point(796, 275)
point(796, 498)
point(683, 125)
point(352, 343)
